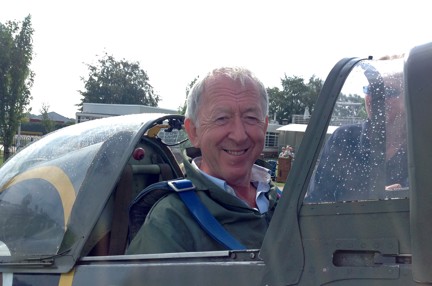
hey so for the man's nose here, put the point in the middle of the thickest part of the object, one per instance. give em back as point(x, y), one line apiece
point(238, 130)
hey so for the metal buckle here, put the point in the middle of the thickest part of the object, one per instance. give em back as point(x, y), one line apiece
point(181, 185)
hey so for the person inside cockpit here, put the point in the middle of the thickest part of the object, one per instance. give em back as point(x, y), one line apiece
point(345, 169)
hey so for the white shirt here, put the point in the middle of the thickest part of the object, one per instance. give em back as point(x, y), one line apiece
point(260, 179)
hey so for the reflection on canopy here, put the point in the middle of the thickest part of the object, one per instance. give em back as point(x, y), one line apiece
point(57, 178)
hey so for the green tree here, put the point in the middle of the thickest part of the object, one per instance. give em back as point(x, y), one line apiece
point(16, 78)
point(276, 103)
point(294, 98)
point(117, 82)
point(314, 88)
point(47, 123)
point(351, 105)
point(182, 109)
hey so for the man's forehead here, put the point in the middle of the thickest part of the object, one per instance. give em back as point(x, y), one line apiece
point(393, 86)
point(229, 87)
point(225, 80)
point(394, 80)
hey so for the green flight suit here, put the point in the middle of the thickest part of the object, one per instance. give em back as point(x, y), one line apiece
point(169, 227)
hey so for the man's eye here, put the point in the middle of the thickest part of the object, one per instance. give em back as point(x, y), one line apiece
point(252, 120)
point(221, 120)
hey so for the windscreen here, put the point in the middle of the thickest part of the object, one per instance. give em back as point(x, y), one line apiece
point(40, 184)
point(364, 156)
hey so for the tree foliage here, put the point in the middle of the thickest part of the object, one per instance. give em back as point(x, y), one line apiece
point(16, 78)
point(47, 123)
point(117, 82)
point(182, 109)
point(351, 105)
point(294, 98)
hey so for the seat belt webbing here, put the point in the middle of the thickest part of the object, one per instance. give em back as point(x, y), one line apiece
point(186, 191)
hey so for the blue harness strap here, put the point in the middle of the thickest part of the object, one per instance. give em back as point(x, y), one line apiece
point(186, 191)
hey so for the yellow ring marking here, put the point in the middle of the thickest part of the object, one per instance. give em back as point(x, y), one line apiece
point(57, 178)
point(66, 279)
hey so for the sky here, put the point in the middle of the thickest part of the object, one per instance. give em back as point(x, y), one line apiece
point(175, 41)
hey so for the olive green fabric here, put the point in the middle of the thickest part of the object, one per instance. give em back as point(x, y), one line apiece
point(169, 227)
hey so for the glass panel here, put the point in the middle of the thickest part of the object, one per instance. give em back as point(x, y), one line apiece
point(39, 185)
point(174, 137)
point(365, 154)
point(67, 140)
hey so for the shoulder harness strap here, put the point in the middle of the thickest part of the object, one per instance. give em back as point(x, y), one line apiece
point(186, 191)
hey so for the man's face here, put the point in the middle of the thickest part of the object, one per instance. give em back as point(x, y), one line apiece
point(395, 115)
point(231, 129)
point(395, 105)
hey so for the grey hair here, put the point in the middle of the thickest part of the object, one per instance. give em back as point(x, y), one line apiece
point(234, 73)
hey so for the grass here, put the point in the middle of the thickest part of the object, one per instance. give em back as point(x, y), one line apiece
point(279, 185)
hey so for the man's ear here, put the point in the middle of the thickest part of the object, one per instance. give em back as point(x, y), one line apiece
point(191, 131)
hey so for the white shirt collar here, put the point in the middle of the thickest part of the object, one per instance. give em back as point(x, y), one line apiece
point(260, 178)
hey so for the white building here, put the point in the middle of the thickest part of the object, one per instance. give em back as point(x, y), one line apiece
point(272, 141)
point(99, 110)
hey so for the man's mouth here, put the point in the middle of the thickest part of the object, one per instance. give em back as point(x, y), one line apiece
point(236, 152)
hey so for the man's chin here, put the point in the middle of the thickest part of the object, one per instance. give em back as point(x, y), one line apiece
point(236, 174)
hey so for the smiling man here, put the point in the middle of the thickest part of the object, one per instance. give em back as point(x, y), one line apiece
point(226, 119)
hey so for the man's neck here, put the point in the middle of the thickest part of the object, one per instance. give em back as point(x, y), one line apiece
point(247, 194)
point(394, 142)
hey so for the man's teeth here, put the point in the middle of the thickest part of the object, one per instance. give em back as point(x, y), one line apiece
point(235, 153)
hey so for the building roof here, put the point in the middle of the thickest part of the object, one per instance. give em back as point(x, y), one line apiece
point(54, 116)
